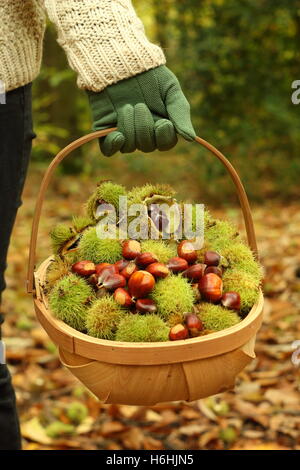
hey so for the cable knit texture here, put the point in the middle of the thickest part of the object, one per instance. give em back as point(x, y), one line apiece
point(21, 36)
point(104, 40)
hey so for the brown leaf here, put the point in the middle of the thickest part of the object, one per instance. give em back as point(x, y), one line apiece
point(282, 397)
point(207, 437)
point(112, 427)
point(150, 443)
point(133, 439)
point(33, 431)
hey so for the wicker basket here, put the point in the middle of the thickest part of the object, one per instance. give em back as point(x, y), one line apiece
point(147, 373)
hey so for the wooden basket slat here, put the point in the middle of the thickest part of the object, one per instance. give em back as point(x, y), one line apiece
point(131, 385)
point(214, 374)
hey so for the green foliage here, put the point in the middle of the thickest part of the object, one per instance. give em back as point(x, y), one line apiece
point(216, 317)
point(236, 61)
point(70, 299)
point(173, 295)
point(161, 249)
point(98, 250)
point(103, 318)
point(142, 328)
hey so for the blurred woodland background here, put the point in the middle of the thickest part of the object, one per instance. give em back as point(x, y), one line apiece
point(236, 61)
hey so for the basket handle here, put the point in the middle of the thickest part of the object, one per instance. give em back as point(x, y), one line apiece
point(244, 203)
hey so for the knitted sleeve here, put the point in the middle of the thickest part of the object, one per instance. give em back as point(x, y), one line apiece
point(104, 40)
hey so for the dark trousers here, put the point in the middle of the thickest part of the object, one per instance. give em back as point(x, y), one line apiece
point(16, 135)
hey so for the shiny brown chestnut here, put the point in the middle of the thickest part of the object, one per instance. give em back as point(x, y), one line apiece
point(121, 264)
point(231, 300)
point(178, 332)
point(193, 324)
point(144, 259)
point(158, 270)
point(214, 269)
point(146, 306)
point(129, 269)
point(186, 250)
point(84, 268)
point(177, 264)
point(122, 297)
point(194, 272)
point(210, 287)
point(112, 282)
point(131, 249)
point(108, 267)
point(140, 284)
point(211, 258)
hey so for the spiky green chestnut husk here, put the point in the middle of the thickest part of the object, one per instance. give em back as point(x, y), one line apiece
point(216, 317)
point(228, 435)
point(80, 223)
point(103, 318)
point(175, 319)
point(150, 194)
point(77, 412)
point(56, 270)
point(209, 222)
point(69, 300)
point(218, 235)
point(245, 284)
point(238, 256)
point(142, 328)
point(98, 250)
point(60, 235)
point(58, 429)
point(207, 218)
point(162, 250)
point(107, 192)
point(173, 295)
point(71, 257)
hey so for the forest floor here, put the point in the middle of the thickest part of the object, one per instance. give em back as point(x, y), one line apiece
point(263, 412)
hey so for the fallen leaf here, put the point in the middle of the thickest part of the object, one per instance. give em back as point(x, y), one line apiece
point(33, 430)
point(112, 427)
point(286, 397)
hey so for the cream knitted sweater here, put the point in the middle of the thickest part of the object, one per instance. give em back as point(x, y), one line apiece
point(104, 40)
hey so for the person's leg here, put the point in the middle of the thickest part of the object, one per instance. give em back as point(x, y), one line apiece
point(15, 146)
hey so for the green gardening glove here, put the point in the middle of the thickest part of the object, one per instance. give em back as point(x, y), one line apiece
point(147, 109)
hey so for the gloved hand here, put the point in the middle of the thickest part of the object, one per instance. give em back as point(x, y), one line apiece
point(147, 109)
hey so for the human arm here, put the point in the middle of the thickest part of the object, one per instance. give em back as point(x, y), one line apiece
point(124, 74)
